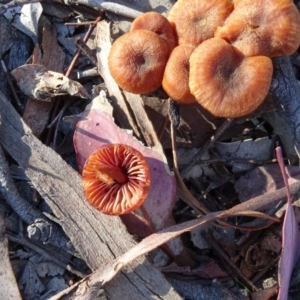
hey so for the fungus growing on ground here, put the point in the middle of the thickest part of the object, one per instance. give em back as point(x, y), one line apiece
point(227, 83)
point(116, 179)
point(196, 20)
point(176, 77)
point(270, 28)
point(157, 23)
point(137, 61)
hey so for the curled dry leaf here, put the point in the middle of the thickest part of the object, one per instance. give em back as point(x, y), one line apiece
point(39, 83)
point(97, 128)
point(25, 18)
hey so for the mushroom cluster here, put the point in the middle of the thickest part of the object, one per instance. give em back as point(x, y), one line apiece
point(216, 53)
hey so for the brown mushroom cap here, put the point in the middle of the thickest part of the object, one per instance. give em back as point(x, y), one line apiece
point(268, 27)
point(116, 179)
point(196, 20)
point(137, 61)
point(176, 77)
point(227, 83)
point(157, 23)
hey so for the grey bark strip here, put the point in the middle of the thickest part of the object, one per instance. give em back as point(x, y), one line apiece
point(8, 285)
point(46, 231)
point(98, 238)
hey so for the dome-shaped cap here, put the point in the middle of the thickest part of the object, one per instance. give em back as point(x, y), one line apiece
point(196, 20)
point(227, 83)
point(157, 23)
point(268, 27)
point(116, 179)
point(137, 61)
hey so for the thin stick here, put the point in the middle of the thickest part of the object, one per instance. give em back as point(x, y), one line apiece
point(70, 69)
point(283, 173)
point(224, 256)
point(79, 24)
point(85, 39)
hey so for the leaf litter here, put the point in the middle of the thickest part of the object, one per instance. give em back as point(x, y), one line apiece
point(218, 190)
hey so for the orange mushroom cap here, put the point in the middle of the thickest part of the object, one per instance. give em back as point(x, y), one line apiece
point(262, 27)
point(196, 20)
point(116, 179)
point(157, 23)
point(176, 77)
point(227, 83)
point(137, 61)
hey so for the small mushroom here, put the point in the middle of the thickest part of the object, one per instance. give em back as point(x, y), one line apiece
point(137, 61)
point(116, 179)
point(157, 23)
point(176, 77)
point(270, 28)
point(227, 83)
point(196, 20)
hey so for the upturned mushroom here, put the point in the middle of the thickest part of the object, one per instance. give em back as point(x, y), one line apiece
point(256, 27)
point(116, 179)
point(227, 83)
point(137, 61)
point(196, 20)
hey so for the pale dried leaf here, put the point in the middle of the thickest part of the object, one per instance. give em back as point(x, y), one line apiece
point(25, 18)
point(48, 268)
point(260, 149)
point(39, 83)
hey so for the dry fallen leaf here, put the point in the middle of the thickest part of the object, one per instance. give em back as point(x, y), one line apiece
point(290, 239)
point(260, 149)
point(39, 83)
point(26, 18)
point(264, 179)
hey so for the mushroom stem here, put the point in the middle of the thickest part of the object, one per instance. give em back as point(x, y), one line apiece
point(110, 175)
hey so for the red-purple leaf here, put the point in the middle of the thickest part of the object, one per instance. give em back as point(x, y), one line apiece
point(290, 251)
point(97, 128)
point(290, 239)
